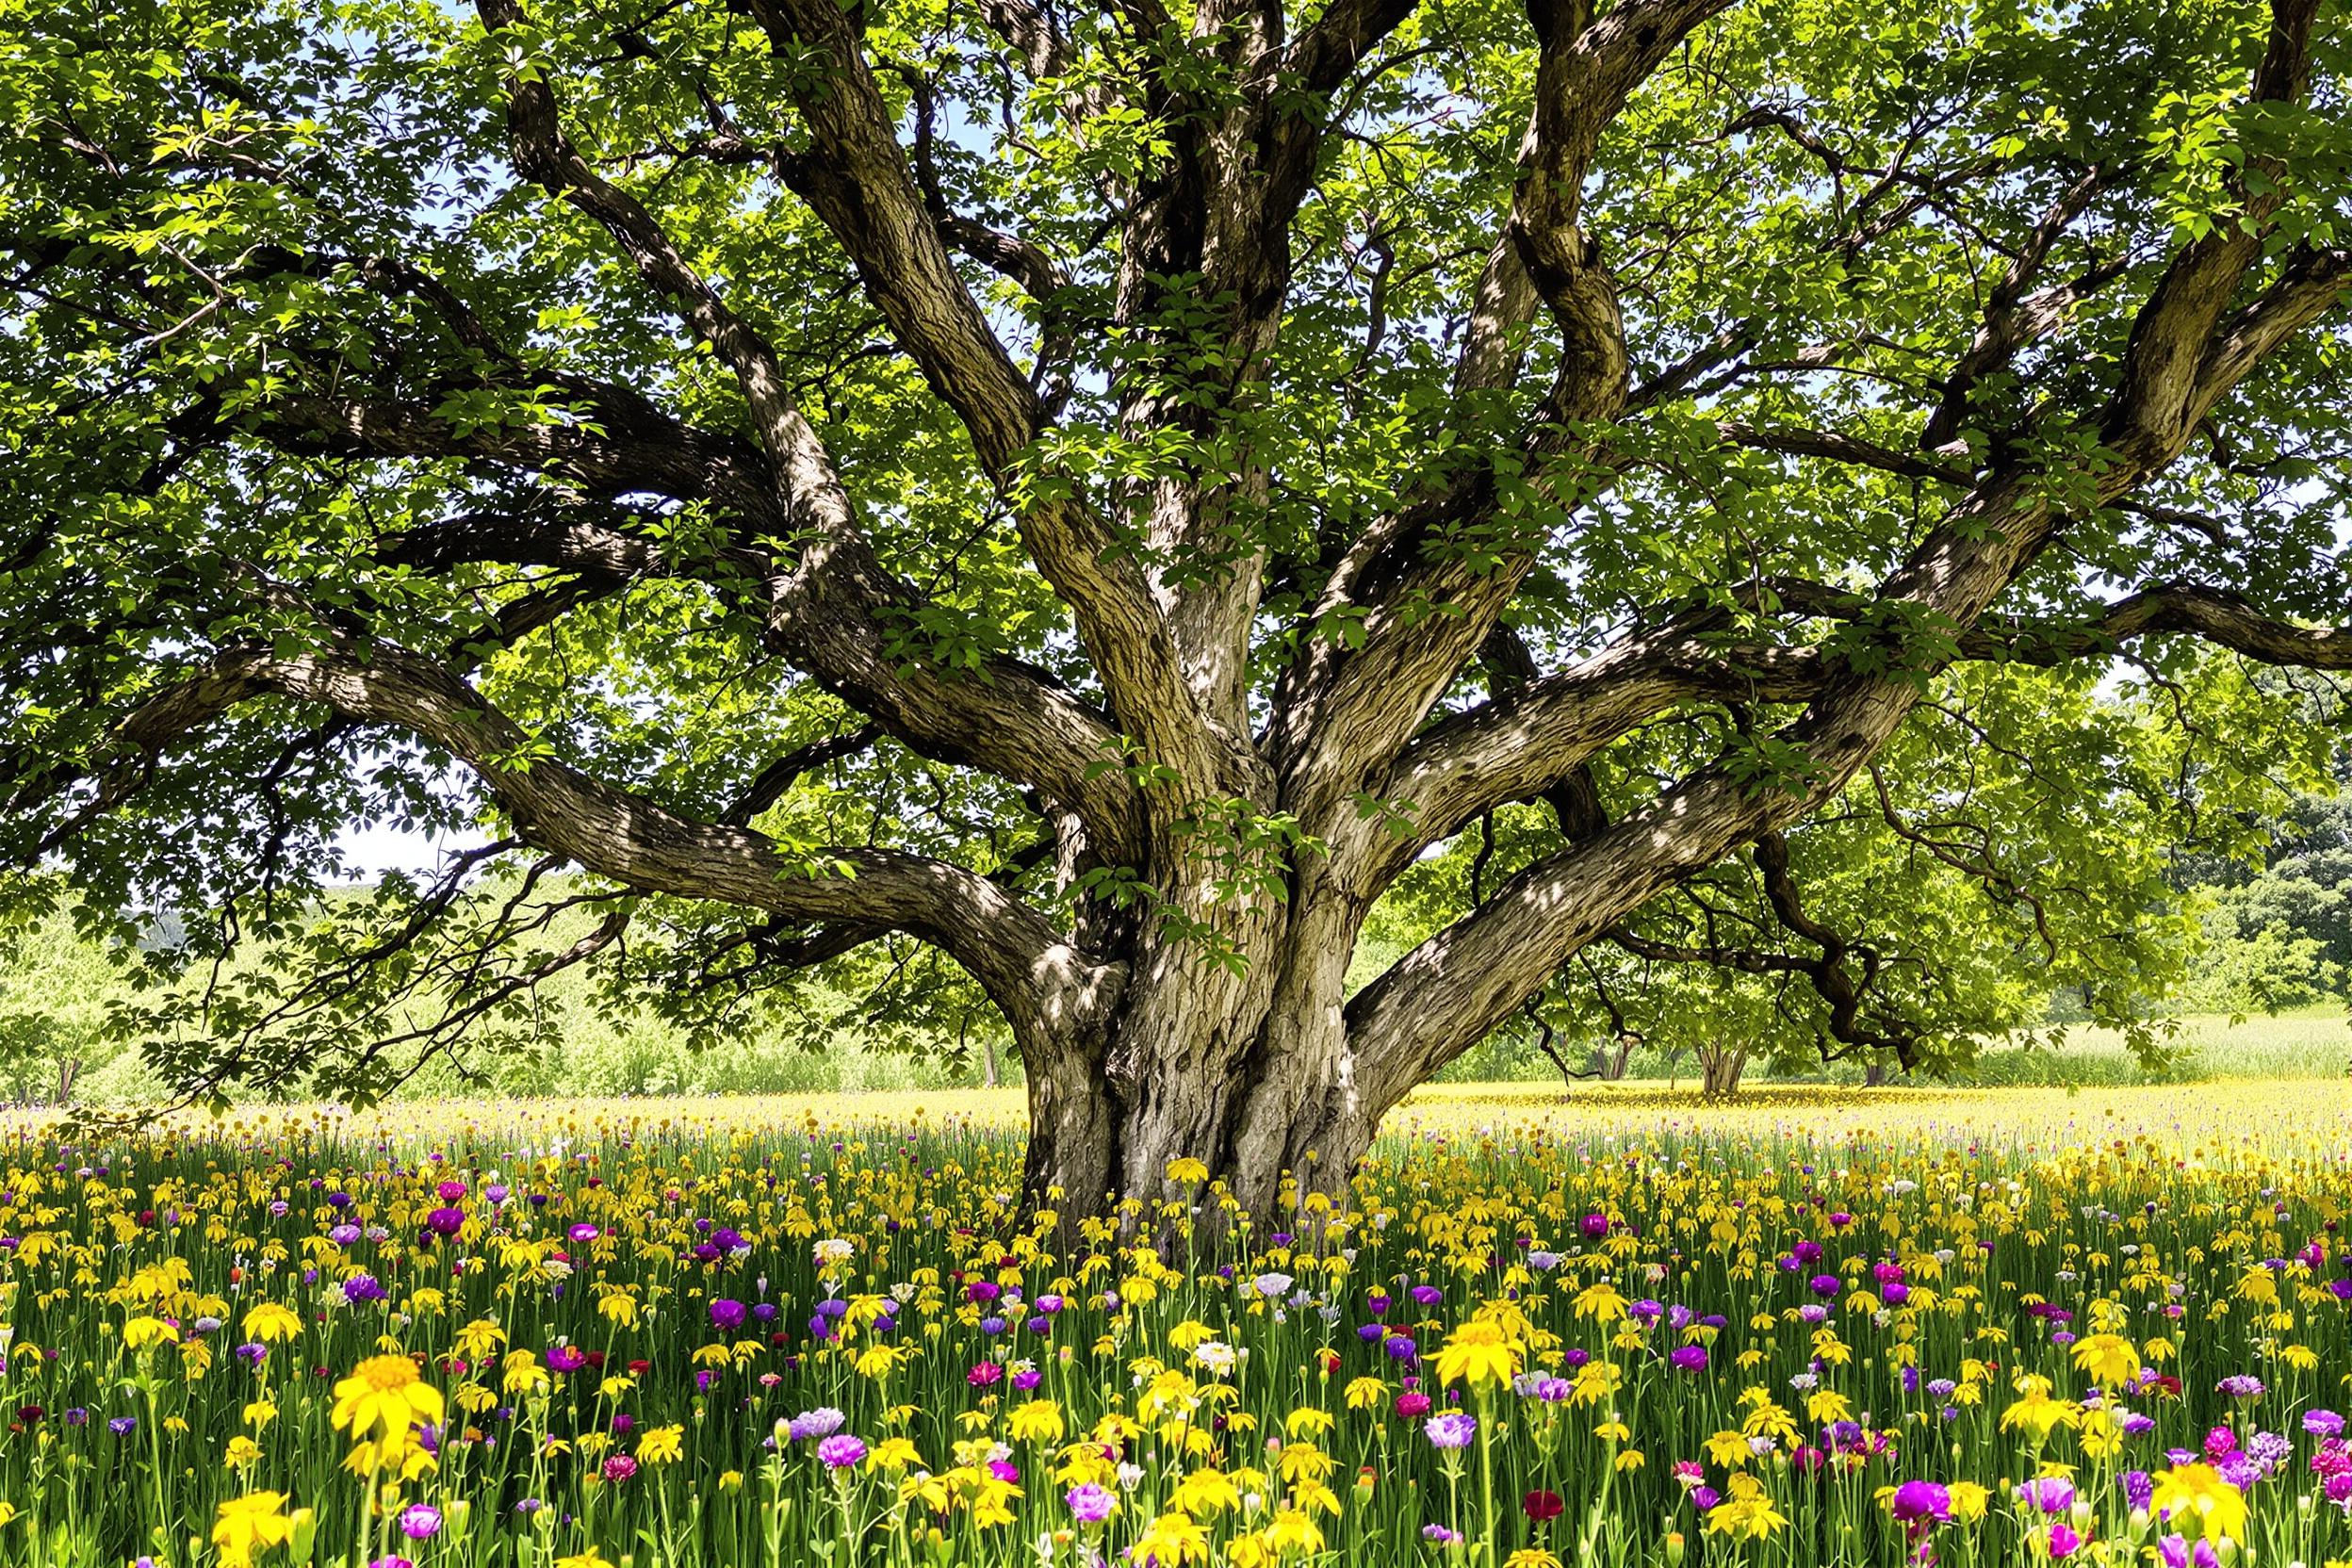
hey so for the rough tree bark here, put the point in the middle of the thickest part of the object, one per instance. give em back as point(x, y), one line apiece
point(1210, 1019)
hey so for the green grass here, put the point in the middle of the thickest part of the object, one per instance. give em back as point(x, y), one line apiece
point(2307, 1043)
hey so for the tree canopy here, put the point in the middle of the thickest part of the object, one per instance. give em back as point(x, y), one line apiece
point(1817, 492)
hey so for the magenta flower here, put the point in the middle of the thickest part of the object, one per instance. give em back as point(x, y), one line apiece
point(1922, 1502)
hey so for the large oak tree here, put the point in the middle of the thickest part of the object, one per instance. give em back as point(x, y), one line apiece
point(1105, 493)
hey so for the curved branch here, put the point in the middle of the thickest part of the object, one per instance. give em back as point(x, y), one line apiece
point(834, 614)
point(859, 184)
point(545, 155)
point(633, 450)
point(2169, 378)
point(1026, 965)
point(856, 180)
point(1422, 612)
point(1527, 740)
point(2013, 318)
point(774, 781)
point(1838, 988)
point(1794, 441)
point(1446, 994)
point(826, 606)
point(2217, 616)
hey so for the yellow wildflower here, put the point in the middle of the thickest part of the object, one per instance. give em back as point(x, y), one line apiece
point(384, 1394)
point(2200, 1502)
point(1479, 1352)
point(2109, 1359)
point(247, 1525)
point(271, 1323)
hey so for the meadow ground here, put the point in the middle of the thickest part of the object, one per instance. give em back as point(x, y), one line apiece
point(1817, 1324)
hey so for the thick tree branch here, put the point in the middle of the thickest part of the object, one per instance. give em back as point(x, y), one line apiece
point(1032, 32)
point(1472, 974)
point(859, 184)
point(858, 180)
point(2214, 615)
point(1011, 949)
point(633, 450)
point(1524, 741)
point(1420, 619)
point(824, 607)
point(2169, 377)
point(838, 614)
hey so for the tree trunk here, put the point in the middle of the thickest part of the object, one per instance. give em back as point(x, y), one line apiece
point(1250, 1072)
point(1622, 1057)
point(1720, 1067)
point(987, 1060)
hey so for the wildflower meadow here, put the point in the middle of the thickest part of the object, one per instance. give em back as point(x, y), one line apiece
point(1821, 1326)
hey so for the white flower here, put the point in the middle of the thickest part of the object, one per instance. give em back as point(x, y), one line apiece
point(832, 1252)
point(1272, 1283)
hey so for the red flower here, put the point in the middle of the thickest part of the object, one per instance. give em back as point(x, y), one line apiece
point(1542, 1505)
